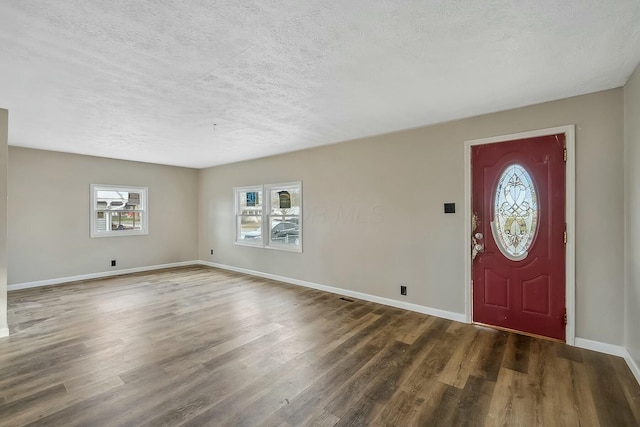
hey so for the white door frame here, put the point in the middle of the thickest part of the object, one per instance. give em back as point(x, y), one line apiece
point(570, 212)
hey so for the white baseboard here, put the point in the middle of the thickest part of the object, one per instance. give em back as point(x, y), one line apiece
point(4, 332)
point(458, 317)
point(100, 275)
point(633, 366)
point(615, 350)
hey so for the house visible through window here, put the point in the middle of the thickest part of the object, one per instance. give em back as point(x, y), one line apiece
point(118, 211)
point(273, 221)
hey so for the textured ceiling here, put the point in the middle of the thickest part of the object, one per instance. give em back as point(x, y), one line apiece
point(146, 80)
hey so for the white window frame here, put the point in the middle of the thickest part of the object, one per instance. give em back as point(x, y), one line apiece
point(265, 240)
point(143, 211)
point(270, 244)
point(238, 215)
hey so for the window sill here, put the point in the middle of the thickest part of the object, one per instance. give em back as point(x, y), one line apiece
point(257, 244)
point(297, 249)
point(119, 234)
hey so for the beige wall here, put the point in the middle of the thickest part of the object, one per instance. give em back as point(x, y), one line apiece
point(49, 202)
point(4, 126)
point(372, 211)
point(373, 214)
point(632, 157)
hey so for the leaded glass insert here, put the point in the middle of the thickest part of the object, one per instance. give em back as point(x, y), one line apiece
point(515, 218)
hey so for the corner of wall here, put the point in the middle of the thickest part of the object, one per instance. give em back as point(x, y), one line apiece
point(631, 101)
point(4, 153)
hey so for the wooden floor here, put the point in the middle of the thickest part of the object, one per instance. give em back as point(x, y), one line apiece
point(198, 346)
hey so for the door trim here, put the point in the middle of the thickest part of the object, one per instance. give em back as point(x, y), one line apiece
point(570, 206)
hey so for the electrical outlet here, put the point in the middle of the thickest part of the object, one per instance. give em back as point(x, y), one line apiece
point(113, 263)
point(211, 251)
point(403, 290)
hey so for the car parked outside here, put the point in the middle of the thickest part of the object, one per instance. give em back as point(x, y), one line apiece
point(286, 232)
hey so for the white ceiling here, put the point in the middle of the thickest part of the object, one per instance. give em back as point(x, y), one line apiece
point(146, 80)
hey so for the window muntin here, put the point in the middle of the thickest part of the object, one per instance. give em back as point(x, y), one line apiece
point(118, 211)
point(515, 218)
point(249, 215)
point(274, 221)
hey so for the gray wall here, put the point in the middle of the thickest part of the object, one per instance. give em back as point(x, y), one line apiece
point(49, 203)
point(632, 156)
point(373, 210)
point(4, 126)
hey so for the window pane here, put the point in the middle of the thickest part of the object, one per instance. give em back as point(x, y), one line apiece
point(101, 221)
point(125, 220)
point(515, 212)
point(285, 201)
point(250, 202)
point(285, 229)
point(112, 200)
point(250, 228)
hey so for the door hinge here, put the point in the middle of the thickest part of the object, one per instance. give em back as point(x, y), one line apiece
point(565, 154)
point(564, 318)
point(565, 237)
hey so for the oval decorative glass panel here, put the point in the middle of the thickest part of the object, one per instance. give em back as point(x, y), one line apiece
point(515, 218)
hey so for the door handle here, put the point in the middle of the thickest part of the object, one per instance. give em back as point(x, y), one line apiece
point(476, 247)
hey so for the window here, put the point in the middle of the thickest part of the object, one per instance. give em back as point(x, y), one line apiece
point(273, 221)
point(118, 211)
point(515, 212)
point(284, 215)
point(249, 215)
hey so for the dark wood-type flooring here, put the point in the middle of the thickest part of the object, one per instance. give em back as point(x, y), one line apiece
point(198, 346)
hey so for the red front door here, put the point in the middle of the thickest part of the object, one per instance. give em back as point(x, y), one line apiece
point(518, 237)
